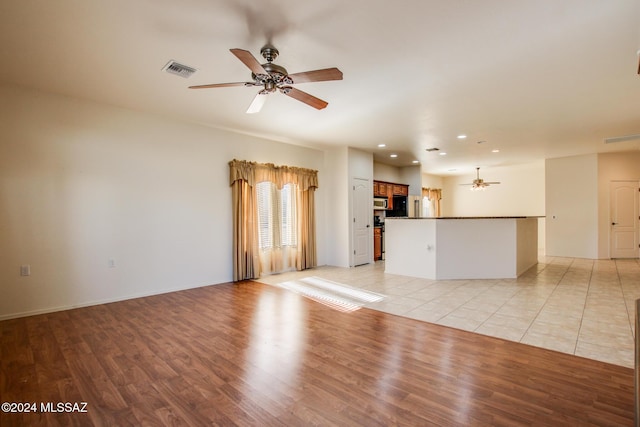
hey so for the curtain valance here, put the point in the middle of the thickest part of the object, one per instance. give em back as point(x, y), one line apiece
point(253, 173)
point(432, 193)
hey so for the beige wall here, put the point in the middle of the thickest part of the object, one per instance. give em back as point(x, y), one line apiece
point(383, 172)
point(83, 183)
point(432, 181)
point(572, 206)
point(521, 192)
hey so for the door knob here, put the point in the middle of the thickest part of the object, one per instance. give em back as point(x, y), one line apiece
point(614, 223)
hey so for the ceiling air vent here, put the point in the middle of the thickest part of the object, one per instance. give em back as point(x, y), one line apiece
point(622, 138)
point(178, 69)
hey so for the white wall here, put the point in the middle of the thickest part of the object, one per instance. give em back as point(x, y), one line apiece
point(612, 167)
point(82, 183)
point(336, 207)
point(572, 206)
point(383, 172)
point(412, 176)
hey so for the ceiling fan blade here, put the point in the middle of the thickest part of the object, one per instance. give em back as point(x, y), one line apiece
point(311, 100)
point(257, 103)
point(219, 85)
point(317, 75)
point(249, 60)
point(491, 182)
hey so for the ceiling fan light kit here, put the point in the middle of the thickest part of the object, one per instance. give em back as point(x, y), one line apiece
point(272, 77)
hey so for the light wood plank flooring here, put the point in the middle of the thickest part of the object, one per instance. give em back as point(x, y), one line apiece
point(252, 354)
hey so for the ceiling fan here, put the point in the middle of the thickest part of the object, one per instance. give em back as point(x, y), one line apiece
point(479, 183)
point(272, 77)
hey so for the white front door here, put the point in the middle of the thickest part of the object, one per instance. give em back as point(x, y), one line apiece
point(362, 216)
point(624, 219)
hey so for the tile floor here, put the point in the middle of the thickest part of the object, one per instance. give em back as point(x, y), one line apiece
point(577, 306)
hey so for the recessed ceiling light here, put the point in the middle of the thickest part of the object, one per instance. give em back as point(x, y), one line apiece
point(462, 136)
point(415, 161)
point(495, 151)
point(393, 155)
point(443, 154)
point(382, 145)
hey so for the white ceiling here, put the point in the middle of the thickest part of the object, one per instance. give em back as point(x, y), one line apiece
point(532, 78)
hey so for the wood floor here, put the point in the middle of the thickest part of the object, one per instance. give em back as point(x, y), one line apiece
point(252, 354)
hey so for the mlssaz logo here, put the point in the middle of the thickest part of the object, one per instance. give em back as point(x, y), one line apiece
point(63, 407)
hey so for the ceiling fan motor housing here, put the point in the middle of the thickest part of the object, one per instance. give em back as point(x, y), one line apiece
point(276, 74)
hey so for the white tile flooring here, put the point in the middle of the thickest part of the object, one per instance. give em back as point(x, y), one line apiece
point(577, 306)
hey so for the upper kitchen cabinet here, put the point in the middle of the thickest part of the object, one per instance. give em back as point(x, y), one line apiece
point(389, 189)
point(380, 189)
point(400, 190)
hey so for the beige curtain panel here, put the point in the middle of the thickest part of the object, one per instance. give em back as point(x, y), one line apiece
point(244, 176)
point(434, 195)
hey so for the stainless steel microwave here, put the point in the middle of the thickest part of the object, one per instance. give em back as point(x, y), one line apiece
point(380, 203)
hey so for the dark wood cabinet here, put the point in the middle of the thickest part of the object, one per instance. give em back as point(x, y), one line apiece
point(400, 190)
point(379, 189)
point(388, 190)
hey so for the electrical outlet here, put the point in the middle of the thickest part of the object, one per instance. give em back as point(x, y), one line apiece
point(25, 270)
point(112, 263)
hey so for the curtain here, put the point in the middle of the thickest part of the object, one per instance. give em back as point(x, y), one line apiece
point(434, 195)
point(306, 229)
point(245, 231)
point(249, 260)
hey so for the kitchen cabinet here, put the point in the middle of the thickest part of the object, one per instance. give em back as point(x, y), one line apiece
point(400, 190)
point(388, 190)
point(377, 243)
point(379, 189)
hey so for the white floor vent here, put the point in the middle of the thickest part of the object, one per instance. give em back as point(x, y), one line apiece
point(178, 69)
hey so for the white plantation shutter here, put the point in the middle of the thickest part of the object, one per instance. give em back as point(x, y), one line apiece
point(288, 215)
point(276, 215)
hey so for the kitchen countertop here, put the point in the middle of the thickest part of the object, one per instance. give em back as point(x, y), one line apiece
point(466, 217)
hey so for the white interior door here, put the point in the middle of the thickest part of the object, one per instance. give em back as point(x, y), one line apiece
point(624, 219)
point(362, 217)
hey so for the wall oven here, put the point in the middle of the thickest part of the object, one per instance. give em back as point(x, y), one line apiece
point(379, 203)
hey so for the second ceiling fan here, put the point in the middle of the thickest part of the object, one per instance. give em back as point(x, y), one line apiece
point(272, 77)
point(479, 183)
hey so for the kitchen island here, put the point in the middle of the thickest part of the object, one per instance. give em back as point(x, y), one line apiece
point(461, 247)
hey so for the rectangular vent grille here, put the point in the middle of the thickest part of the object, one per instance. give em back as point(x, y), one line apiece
point(622, 138)
point(178, 69)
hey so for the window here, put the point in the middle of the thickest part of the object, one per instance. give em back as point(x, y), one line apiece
point(276, 216)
